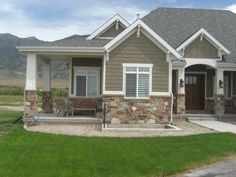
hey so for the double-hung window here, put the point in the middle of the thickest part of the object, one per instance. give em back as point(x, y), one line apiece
point(137, 80)
point(86, 81)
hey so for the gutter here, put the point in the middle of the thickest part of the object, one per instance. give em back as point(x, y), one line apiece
point(33, 49)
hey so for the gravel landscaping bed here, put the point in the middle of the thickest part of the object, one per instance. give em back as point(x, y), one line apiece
point(187, 128)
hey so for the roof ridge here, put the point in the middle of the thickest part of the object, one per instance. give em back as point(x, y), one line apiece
point(192, 8)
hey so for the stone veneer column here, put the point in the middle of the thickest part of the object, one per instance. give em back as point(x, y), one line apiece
point(219, 104)
point(180, 97)
point(180, 106)
point(30, 103)
point(47, 102)
point(219, 100)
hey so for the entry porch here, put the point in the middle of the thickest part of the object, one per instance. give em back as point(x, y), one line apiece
point(204, 88)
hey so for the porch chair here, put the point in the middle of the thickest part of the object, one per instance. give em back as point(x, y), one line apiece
point(63, 108)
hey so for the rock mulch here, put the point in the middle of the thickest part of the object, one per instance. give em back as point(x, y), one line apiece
point(93, 130)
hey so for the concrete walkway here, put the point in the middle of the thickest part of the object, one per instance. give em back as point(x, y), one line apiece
point(216, 125)
point(222, 169)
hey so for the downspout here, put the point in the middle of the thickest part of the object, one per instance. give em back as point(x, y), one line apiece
point(171, 108)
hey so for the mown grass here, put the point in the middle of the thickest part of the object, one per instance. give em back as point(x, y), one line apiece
point(25, 153)
point(6, 121)
point(11, 100)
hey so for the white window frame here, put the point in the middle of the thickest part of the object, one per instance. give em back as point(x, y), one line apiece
point(125, 65)
point(86, 70)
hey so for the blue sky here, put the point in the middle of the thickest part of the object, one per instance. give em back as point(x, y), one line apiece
point(55, 19)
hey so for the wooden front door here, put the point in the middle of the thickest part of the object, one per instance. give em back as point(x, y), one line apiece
point(195, 91)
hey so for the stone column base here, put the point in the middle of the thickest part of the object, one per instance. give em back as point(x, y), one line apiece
point(219, 104)
point(30, 104)
point(47, 102)
point(180, 105)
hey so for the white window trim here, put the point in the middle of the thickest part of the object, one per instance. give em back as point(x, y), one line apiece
point(97, 69)
point(137, 72)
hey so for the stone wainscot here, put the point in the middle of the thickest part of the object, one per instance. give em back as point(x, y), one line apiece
point(119, 110)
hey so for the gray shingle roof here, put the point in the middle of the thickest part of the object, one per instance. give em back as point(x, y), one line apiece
point(75, 41)
point(79, 41)
point(175, 25)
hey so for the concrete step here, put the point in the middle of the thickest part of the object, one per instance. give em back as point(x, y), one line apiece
point(82, 120)
point(195, 117)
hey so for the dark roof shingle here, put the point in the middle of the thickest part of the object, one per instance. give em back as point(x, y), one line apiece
point(175, 25)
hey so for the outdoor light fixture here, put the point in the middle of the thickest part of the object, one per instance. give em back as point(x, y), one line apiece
point(221, 84)
point(181, 83)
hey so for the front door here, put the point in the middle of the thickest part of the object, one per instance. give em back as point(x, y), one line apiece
point(195, 91)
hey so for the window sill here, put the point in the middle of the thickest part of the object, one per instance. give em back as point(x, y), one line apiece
point(136, 98)
point(84, 97)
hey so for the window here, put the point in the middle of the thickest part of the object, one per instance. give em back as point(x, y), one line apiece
point(137, 80)
point(86, 81)
point(190, 80)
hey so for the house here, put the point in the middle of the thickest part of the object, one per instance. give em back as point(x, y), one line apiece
point(172, 60)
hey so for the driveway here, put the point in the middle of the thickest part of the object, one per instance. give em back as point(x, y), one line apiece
point(222, 169)
point(216, 125)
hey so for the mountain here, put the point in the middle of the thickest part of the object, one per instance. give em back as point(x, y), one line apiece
point(13, 63)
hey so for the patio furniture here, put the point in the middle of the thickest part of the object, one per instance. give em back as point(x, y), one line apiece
point(63, 107)
point(83, 105)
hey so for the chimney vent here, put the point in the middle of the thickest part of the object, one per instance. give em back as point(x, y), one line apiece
point(138, 16)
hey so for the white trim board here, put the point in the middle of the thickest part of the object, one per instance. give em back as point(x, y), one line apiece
point(60, 49)
point(107, 24)
point(208, 36)
point(139, 23)
point(200, 61)
point(161, 94)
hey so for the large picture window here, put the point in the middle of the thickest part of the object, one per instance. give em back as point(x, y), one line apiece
point(137, 80)
point(87, 81)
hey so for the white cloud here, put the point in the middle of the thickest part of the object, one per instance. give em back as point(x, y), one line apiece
point(83, 18)
point(231, 8)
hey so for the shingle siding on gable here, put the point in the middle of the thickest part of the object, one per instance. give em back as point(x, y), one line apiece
point(201, 49)
point(137, 50)
point(112, 32)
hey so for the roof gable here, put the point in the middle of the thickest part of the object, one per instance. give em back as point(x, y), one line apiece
point(155, 38)
point(203, 33)
point(175, 25)
point(115, 19)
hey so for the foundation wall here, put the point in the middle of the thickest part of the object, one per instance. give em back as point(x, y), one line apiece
point(151, 111)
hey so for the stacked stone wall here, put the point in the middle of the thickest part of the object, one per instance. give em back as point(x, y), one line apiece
point(151, 111)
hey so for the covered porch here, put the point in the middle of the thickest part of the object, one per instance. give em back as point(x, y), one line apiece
point(83, 103)
point(204, 87)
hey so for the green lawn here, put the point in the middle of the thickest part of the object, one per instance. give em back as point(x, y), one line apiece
point(31, 154)
point(11, 100)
